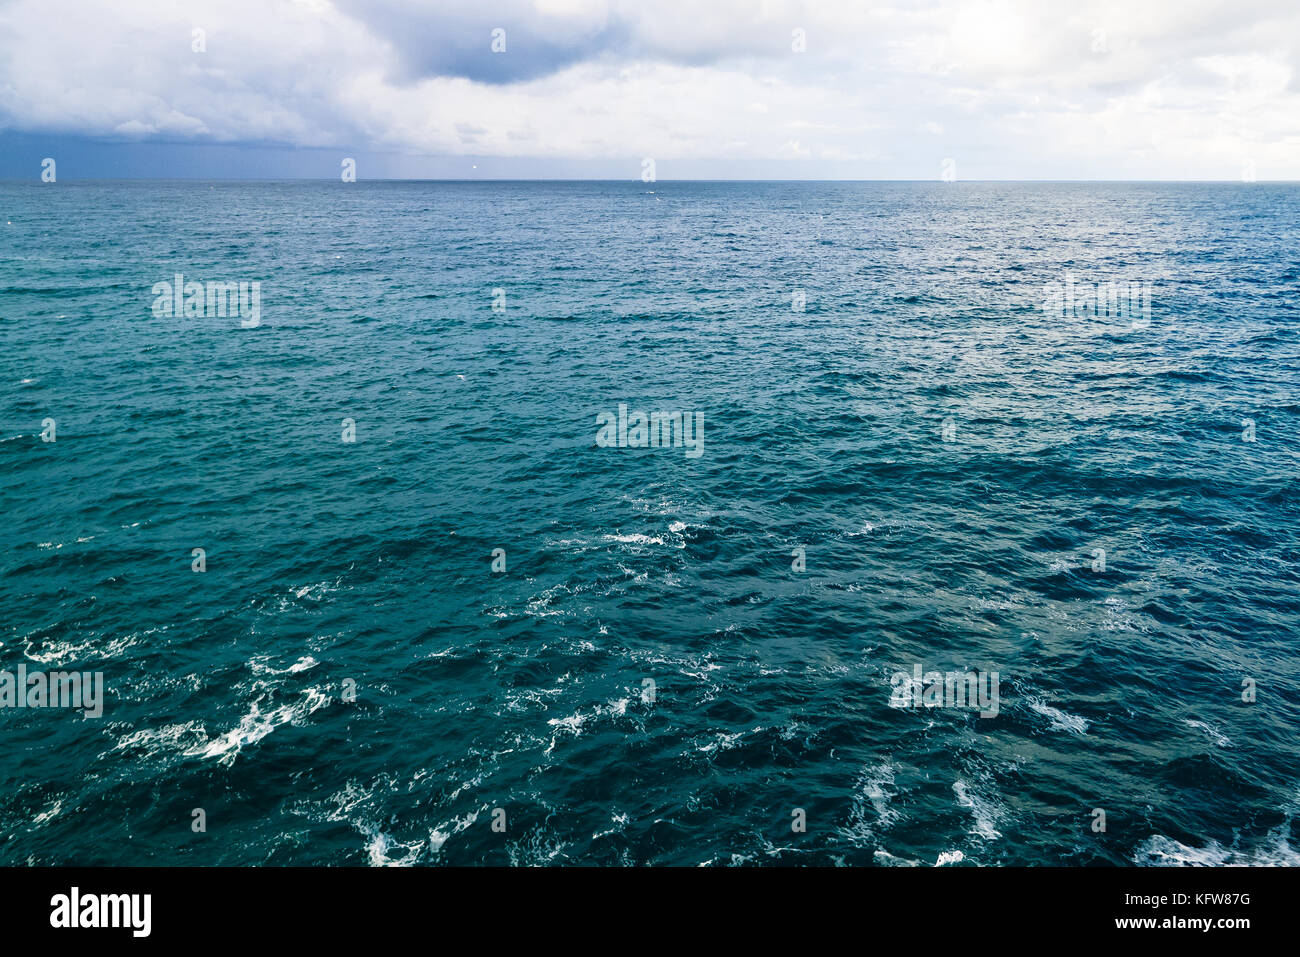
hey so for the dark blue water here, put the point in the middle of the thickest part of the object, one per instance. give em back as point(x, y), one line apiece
point(335, 567)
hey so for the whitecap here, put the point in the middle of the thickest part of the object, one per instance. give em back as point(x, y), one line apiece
point(874, 791)
point(635, 539)
point(534, 850)
point(438, 836)
point(619, 821)
point(1219, 739)
point(1059, 720)
point(254, 726)
point(380, 847)
point(49, 814)
point(61, 652)
point(259, 665)
point(1161, 851)
point(986, 812)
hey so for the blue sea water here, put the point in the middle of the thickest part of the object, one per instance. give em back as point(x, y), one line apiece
point(649, 680)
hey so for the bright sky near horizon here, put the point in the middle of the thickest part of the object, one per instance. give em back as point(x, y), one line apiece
point(1006, 89)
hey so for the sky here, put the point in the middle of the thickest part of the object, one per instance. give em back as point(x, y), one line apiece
point(707, 89)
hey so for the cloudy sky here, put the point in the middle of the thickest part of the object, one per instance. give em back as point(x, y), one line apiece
point(1008, 89)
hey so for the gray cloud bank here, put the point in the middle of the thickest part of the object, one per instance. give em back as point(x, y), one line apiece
point(1008, 88)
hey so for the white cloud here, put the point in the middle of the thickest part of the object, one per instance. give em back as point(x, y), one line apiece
point(1012, 88)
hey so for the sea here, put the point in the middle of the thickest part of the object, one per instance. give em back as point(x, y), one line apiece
point(381, 565)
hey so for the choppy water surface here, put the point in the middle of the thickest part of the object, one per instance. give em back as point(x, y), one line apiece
point(333, 565)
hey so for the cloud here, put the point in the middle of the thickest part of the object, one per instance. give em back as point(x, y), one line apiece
point(1011, 88)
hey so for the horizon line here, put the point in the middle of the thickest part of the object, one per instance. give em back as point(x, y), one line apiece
point(599, 179)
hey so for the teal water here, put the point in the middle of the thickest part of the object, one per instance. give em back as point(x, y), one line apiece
point(336, 567)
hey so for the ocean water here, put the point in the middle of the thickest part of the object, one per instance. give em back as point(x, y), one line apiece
point(650, 680)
